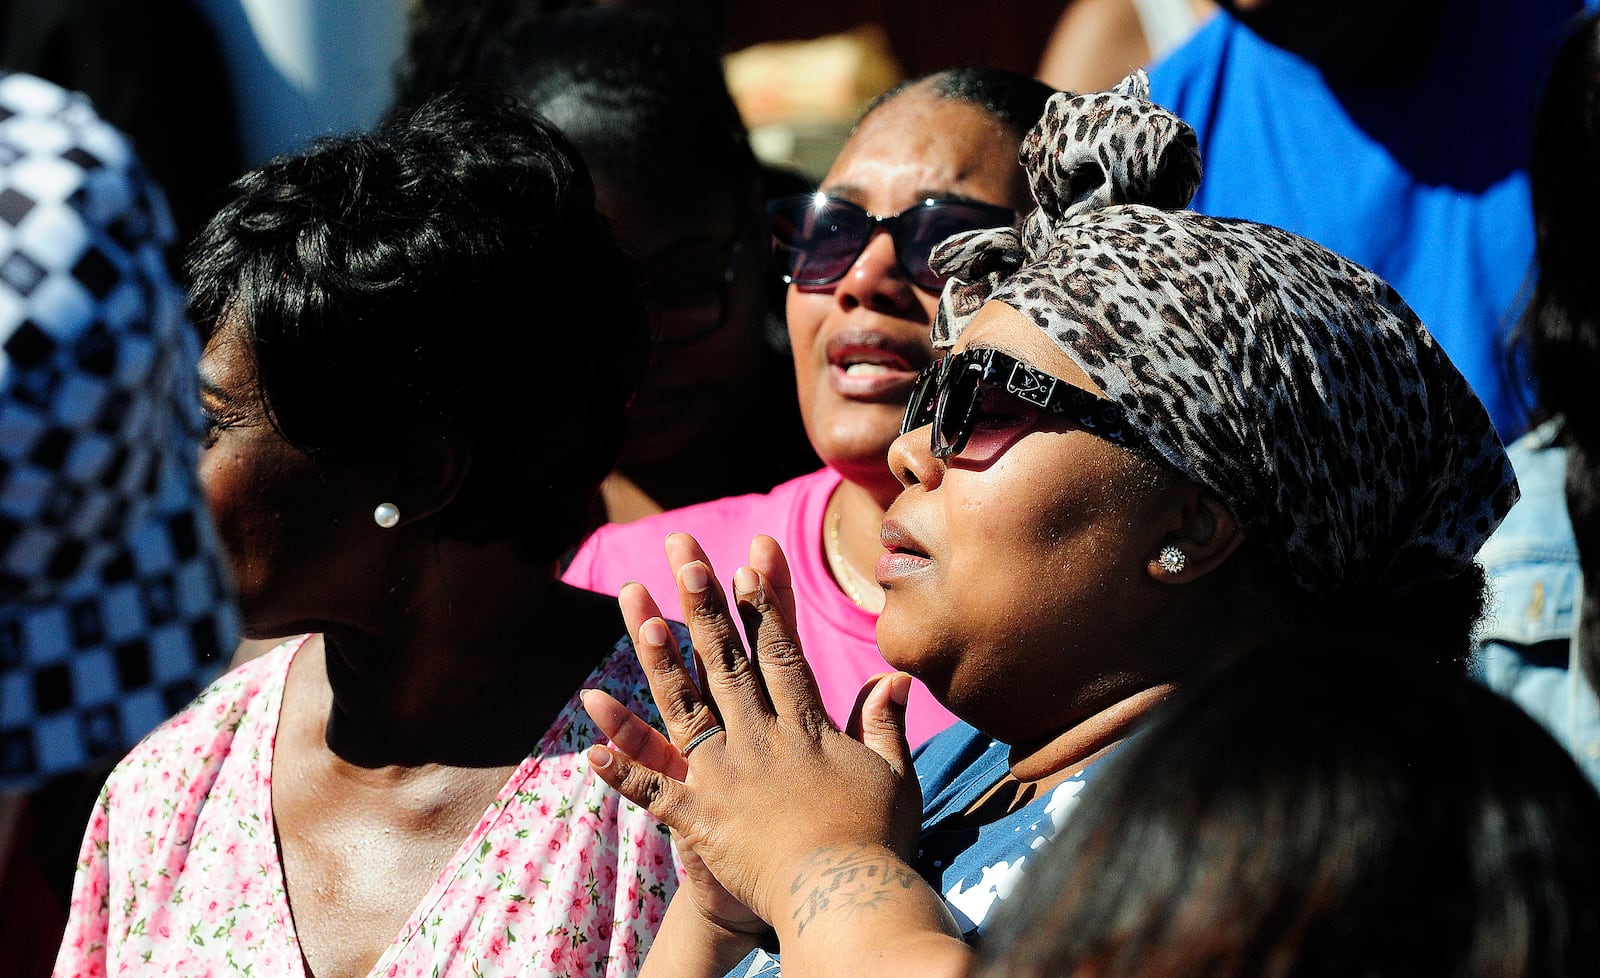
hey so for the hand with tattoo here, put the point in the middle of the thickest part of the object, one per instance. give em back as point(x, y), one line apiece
point(808, 827)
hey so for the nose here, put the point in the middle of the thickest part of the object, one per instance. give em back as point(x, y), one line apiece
point(912, 462)
point(876, 280)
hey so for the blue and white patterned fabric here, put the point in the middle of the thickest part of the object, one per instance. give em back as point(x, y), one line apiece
point(114, 601)
point(1528, 642)
point(974, 869)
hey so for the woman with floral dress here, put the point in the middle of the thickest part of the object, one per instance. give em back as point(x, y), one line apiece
point(420, 345)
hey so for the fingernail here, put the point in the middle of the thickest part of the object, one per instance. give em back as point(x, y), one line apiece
point(745, 581)
point(694, 576)
point(899, 688)
point(655, 632)
point(599, 757)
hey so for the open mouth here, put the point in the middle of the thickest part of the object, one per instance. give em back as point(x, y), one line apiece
point(903, 555)
point(873, 366)
point(908, 552)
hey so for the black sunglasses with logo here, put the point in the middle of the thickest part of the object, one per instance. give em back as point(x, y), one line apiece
point(817, 237)
point(958, 394)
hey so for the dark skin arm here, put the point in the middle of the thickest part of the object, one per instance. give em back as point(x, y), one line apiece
point(811, 829)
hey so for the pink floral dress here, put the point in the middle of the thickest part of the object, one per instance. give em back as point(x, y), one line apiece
point(179, 874)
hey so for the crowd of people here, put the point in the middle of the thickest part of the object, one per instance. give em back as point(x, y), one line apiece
point(1150, 530)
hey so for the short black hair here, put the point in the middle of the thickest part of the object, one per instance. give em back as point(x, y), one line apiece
point(446, 270)
point(1016, 101)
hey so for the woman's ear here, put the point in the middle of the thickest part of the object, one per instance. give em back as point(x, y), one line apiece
point(1204, 535)
point(431, 469)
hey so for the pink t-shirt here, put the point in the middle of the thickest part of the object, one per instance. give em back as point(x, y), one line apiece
point(180, 874)
point(839, 638)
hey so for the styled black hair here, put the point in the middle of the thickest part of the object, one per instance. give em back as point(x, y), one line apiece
point(1016, 101)
point(448, 271)
point(1319, 808)
point(1561, 329)
point(643, 97)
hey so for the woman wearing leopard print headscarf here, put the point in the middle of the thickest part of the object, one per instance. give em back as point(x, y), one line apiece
point(1159, 440)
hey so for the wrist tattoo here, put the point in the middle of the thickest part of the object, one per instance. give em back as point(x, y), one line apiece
point(846, 881)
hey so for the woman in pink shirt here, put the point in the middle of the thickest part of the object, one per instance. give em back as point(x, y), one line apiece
point(932, 158)
point(393, 320)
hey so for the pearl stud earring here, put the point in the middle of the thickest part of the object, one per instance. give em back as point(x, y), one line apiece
point(386, 515)
point(1172, 560)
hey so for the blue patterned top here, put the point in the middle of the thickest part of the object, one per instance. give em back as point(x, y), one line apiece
point(974, 869)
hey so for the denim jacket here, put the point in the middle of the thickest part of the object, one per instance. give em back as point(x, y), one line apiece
point(1527, 644)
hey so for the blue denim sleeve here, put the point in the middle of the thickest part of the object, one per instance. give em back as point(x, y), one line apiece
point(757, 964)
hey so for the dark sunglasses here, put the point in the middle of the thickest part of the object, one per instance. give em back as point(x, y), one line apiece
point(952, 393)
point(816, 237)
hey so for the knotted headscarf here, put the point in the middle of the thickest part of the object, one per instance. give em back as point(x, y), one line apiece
point(1295, 385)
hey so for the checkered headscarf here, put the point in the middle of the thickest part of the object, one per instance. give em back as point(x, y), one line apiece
point(114, 606)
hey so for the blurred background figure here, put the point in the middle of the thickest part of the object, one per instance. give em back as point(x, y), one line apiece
point(800, 75)
point(1396, 135)
point(305, 68)
point(114, 602)
point(1417, 825)
point(644, 100)
point(1547, 577)
point(1096, 42)
point(120, 55)
point(446, 39)
point(396, 460)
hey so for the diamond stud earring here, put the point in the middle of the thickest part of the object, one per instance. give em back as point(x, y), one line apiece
point(386, 515)
point(1171, 560)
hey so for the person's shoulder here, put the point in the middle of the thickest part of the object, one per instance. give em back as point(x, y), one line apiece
point(201, 735)
point(1539, 457)
point(1531, 560)
point(1196, 59)
point(1198, 76)
point(953, 755)
point(1537, 527)
point(717, 512)
point(612, 554)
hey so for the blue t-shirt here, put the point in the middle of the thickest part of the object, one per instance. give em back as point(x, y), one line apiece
point(1423, 180)
point(972, 868)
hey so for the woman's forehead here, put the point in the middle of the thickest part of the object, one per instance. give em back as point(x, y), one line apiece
point(921, 145)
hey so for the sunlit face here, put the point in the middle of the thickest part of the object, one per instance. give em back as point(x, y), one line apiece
point(859, 342)
point(299, 533)
point(1017, 575)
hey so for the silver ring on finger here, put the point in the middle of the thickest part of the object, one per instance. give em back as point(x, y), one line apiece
point(701, 738)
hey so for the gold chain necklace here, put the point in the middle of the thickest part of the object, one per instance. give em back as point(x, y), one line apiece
point(842, 570)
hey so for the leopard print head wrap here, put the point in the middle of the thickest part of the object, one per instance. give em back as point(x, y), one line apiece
point(1295, 385)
